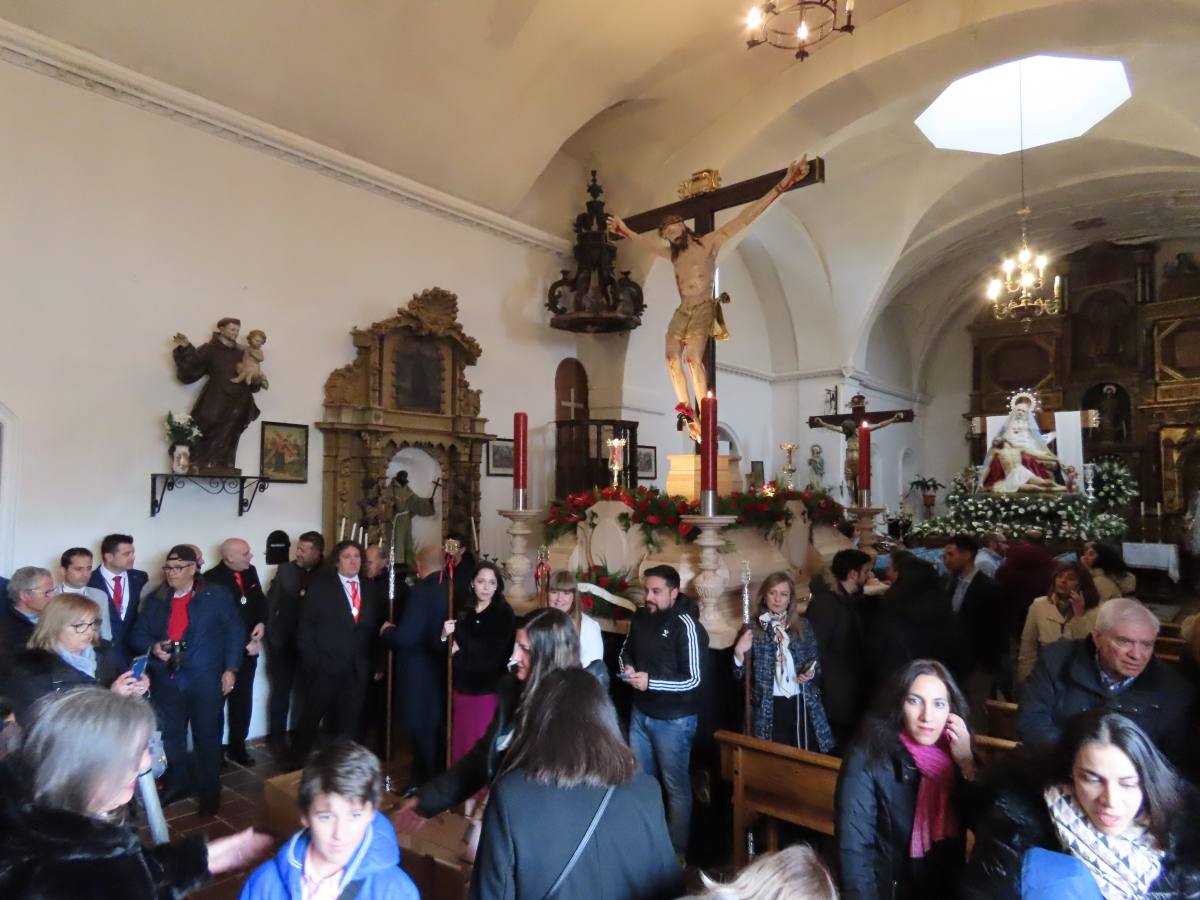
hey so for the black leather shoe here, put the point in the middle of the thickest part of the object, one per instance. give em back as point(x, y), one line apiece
point(172, 794)
point(241, 757)
point(209, 807)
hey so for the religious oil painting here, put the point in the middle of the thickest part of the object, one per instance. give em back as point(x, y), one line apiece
point(284, 452)
point(500, 457)
point(647, 462)
point(758, 475)
point(417, 374)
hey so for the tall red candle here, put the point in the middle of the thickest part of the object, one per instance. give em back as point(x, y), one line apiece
point(520, 451)
point(864, 463)
point(708, 443)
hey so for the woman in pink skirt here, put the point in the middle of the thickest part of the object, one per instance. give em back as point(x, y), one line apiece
point(481, 641)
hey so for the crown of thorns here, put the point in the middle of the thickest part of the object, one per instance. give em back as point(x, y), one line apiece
point(670, 220)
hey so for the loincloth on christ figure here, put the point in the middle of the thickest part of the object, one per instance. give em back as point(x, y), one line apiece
point(702, 320)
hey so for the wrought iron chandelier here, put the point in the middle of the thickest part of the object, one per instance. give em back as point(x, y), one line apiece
point(1017, 293)
point(797, 25)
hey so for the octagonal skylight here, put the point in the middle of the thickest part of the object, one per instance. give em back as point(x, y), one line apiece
point(1062, 97)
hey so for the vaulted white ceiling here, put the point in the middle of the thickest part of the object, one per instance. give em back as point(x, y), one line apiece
point(506, 103)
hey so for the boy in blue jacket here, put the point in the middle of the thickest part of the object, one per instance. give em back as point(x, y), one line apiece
point(347, 848)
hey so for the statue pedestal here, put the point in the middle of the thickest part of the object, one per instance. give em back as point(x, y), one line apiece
point(518, 567)
point(864, 519)
point(683, 477)
point(710, 583)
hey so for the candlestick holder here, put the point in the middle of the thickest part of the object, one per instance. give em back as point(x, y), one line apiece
point(710, 584)
point(520, 499)
point(864, 521)
point(518, 566)
point(616, 448)
point(789, 466)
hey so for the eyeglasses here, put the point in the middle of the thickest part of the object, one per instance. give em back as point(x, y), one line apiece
point(85, 627)
point(173, 570)
point(48, 590)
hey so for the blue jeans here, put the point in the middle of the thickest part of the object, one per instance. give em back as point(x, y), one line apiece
point(663, 748)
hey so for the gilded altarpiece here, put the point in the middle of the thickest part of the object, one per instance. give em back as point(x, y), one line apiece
point(406, 387)
point(1126, 345)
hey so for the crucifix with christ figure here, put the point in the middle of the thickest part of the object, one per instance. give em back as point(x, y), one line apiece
point(692, 253)
point(856, 427)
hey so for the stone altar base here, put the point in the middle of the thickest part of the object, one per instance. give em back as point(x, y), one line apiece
point(683, 476)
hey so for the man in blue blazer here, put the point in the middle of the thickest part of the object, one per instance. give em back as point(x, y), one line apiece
point(421, 663)
point(197, 641)
point(123, 584)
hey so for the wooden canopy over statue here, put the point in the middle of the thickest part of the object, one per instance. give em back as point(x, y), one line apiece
point(406, 388)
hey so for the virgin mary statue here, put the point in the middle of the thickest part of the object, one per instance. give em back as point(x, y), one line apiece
point(1020, 459)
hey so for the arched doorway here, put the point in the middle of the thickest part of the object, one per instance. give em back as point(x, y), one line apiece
point(570, 390)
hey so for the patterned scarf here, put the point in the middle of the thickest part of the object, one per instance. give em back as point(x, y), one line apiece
point(1124, 865)
point(775, 626)
point(934, 819)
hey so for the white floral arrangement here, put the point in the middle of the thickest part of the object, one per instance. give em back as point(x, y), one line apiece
point(1056, 517)
point(1113, 484)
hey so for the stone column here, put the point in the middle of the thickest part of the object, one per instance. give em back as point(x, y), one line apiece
point(518, 567)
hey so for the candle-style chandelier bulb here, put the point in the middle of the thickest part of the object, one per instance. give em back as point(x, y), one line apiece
point(754, 18)
point(802, 32)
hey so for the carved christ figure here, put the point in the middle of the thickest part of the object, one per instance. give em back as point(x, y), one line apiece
point(849, 430)
point(694, 259)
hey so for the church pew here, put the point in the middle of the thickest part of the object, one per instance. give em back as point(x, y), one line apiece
point(1170, 646)
point(793, 785)
point(1001, 719)
point(1170, 629)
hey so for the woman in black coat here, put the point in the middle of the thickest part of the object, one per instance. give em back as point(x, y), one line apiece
point(61, 796)
point(1106, 795)
point(902, 799)
point(481, 639)
point(571, 815)
point(62, 654)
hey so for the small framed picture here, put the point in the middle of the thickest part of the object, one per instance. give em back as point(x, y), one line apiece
point(500, 458)
point(758, 475)
point(647, 462)
point(284, 453)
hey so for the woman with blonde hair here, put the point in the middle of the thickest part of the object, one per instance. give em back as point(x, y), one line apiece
point(61, 797)
point(62, 654)
point(563, 595)
point(796, 873)
point(785, 692)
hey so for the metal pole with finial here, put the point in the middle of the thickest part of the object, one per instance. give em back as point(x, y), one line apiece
point(747, 661)
point(391, 658)
point(450, 547)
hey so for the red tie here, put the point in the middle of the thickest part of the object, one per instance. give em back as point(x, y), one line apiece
point(354, 602)
point(237, 576)
point(118, 596)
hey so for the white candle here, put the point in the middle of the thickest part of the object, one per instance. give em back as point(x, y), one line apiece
point(342, 529)
point(474, 535)
point(1143, 509)
point(1158, 509)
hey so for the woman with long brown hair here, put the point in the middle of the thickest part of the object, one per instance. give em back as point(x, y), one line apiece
point(563, 595)
point(785, 691)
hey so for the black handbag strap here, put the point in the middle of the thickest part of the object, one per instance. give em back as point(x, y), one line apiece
point(352, 890)
point(587, 836)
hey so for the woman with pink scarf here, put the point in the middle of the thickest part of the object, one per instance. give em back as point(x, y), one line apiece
point(902, 791)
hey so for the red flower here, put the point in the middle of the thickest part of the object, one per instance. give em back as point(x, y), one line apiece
point(672, 519)
point(603, 581)
point(682, 506)
point(586, 601)
point(622, 585)
point(824, 504)
point(736, 494)
point(807, 495)
point(685, 529)
point(653, 519)
point(597, 568)
point(643, 506)
point(606, 492)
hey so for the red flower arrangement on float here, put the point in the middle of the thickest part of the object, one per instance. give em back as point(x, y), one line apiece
point(655, 512)
point(616, 583)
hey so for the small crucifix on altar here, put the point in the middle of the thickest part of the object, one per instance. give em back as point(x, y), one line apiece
point(856, 427)
point(692, 253)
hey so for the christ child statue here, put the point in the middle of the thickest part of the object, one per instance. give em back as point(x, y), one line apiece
point(249, 369)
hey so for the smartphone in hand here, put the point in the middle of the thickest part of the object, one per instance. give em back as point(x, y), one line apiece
point(139, 665)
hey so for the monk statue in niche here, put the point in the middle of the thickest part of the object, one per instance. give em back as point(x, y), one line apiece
point(694, 259)
point(225, 407)
point(1020, 459)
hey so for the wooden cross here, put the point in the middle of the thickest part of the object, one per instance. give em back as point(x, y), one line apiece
point(702, 209)
point(856, 427)
point(571, 405)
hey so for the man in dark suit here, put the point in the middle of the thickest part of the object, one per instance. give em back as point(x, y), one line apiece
point(28, 593)
point(982, 619)
point(339, 624)
point(421, 663)
point(288, 589)
point(123, 584)
point(235, 573)
point(197, 643)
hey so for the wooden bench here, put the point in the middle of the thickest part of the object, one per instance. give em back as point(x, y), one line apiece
point(1001, 719)
point(1170, 629)
point(792, 785)
point(1170, 646)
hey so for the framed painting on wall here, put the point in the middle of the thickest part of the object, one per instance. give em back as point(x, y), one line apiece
point(500, 458)
point(284, 452)
point(647, 462)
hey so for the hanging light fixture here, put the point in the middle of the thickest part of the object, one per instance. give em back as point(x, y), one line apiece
point(1018, 293)
point(797, 25)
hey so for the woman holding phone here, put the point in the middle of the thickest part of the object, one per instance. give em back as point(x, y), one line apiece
point(901, 806)
point(1067, 612)
point(62, 654)
point(785, 692)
